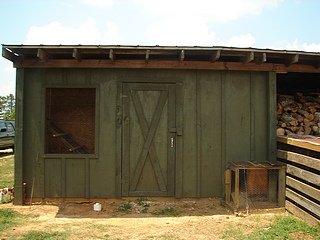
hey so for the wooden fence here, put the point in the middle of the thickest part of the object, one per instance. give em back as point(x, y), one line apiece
point(302, 158)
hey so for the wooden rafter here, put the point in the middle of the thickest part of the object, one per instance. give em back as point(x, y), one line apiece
point(42, 55)
point(147, 55)
point(6, 53)
point(215, 55)
point(292, 59)
point(262, 58)
point(249, 57)
point(76, 54)
point(111, 56)
point(181, 55)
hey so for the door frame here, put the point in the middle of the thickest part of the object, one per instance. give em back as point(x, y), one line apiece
point(178, 165)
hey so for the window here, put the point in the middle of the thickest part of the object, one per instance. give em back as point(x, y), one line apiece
point(70, 120)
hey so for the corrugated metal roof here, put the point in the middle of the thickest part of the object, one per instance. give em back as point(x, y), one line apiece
point(178, 56)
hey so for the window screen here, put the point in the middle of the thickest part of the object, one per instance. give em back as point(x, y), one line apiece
point(70, 120)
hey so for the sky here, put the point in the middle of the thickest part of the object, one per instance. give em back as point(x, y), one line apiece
point(275, 24)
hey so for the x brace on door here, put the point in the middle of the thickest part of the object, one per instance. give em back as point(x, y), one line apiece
point(148, 132)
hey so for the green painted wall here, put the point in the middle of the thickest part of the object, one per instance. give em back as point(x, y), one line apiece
point(225, 117)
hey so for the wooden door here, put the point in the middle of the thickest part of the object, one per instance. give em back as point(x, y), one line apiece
point(148, 139)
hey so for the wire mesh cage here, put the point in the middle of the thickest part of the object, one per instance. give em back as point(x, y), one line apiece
point(254, 185)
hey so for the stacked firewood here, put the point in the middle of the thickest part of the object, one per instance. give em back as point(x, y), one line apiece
point(298, 114)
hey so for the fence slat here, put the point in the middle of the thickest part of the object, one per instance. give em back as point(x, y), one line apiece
point(302, 187)
point(303, 174)
point(302, 214)
point(304, 202)
point(299, 158)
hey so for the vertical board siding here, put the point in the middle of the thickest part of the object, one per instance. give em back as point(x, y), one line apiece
point(33, 122)
point(225, 116)
point(54, 178)
point(75, 178)
point(237, 116)
point(259, 101)
point(210, 140)
point(189, 137)
point(19, 165)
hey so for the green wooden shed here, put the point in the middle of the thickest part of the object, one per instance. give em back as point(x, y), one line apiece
point(115, 121)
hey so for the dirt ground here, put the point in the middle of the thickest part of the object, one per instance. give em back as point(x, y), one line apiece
point(145, 219)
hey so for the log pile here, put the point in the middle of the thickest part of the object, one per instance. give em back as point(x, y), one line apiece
point(298, 114)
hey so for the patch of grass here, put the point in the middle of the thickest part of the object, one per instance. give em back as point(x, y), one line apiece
point(40, 235)
point(233, 233)
point(6, 171)
point(282, 228)
point(285, 228)
point(8, 219)
point(125, 207)
point(168, 211)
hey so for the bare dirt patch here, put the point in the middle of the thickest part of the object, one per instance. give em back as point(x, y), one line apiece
point(146, 219)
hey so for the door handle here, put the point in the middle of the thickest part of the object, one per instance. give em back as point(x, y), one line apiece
point(172, 142)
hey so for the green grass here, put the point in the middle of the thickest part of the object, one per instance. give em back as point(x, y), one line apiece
point(6, 171)
point(40, 235)
point(125, 207)
point(168, 211)
point(282, 228)
point(8, 219)
point(286, 228)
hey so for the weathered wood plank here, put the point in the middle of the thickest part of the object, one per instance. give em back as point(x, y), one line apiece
point(118, 139)
point(172, 150)
point(272, 103)
point(281, 187)
point(167, 64)
point(304, 202)
point(179, 141)
point(303, 174)
point(302, 187)
point(299, 143)
point(18, 158)
point(198, 136)
point(209, 139)
point(302, 214)
point(125, 140)
point(299, 158)
point(75, 177)
point(227, 185)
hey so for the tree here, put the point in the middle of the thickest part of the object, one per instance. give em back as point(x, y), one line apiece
point(7, 107)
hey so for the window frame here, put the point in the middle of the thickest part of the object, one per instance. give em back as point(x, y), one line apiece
point(94, 155)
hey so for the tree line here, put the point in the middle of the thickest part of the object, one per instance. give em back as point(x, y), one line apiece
point(7, 107)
